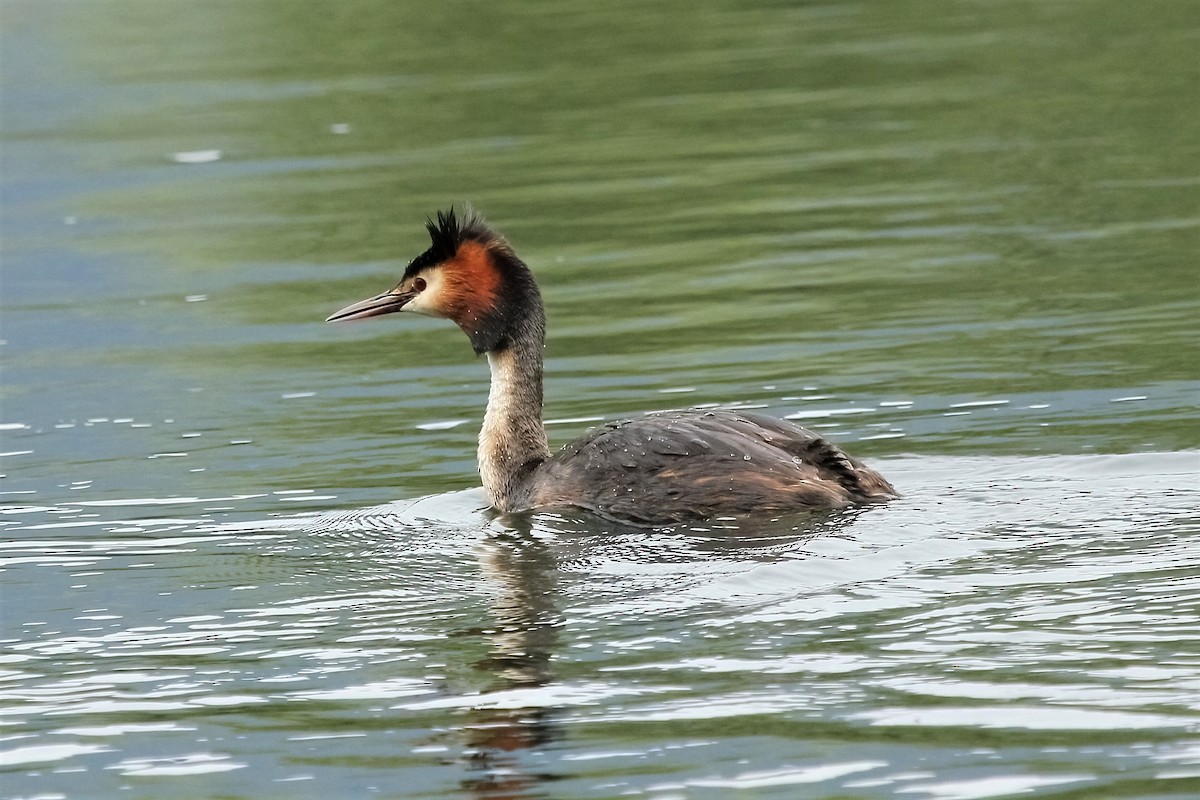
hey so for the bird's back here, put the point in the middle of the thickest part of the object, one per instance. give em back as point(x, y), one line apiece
point(677, 466)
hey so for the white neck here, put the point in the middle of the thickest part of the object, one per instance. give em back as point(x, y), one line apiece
point(512, 440)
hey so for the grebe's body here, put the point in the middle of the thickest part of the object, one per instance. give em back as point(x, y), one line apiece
point(665, 467)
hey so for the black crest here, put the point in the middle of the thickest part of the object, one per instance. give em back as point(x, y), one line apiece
point(448, 232)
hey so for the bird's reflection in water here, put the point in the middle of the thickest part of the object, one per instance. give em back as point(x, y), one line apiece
point(522, 569)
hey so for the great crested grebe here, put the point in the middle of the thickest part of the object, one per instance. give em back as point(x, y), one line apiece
point(664, 467)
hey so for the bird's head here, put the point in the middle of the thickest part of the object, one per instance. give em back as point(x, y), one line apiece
point(469, 275)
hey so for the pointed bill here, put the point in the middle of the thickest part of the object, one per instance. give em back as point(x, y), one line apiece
point(386, 303)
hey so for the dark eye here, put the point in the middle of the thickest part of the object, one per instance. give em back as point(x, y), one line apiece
point(418, 284)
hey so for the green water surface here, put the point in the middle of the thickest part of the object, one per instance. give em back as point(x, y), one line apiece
point(960, 238)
